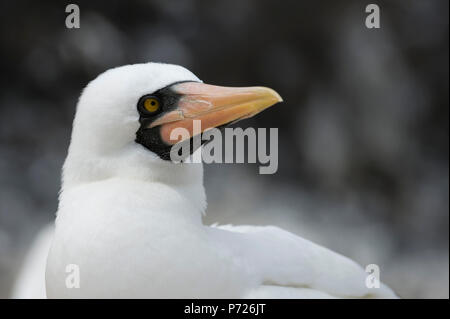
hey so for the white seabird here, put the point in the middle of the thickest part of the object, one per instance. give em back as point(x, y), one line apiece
point(130, 219)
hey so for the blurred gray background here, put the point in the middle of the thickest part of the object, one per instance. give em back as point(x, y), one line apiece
point(363, 132)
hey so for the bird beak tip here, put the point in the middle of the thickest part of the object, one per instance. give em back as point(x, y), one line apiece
point(277, 96)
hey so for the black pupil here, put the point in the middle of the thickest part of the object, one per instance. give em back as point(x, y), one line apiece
point(153, 103)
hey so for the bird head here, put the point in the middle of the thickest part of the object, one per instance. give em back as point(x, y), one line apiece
point(130, 112)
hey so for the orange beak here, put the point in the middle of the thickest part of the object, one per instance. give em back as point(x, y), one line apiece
point(213, 105)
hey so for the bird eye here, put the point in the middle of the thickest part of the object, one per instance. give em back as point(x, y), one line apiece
point(151, 104)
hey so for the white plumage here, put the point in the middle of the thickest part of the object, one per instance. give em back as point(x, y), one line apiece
point(132, 221)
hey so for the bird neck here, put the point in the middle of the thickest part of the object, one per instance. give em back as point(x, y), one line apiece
point(134, 163)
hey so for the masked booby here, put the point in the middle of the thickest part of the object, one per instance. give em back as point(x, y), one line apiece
point(130, 219)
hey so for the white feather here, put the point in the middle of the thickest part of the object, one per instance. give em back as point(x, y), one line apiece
point(30, 283)
point(132, 222)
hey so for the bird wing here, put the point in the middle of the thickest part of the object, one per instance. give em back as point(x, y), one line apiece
point(285, 262)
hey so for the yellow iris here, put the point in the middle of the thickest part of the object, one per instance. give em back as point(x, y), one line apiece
point(151, 105)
